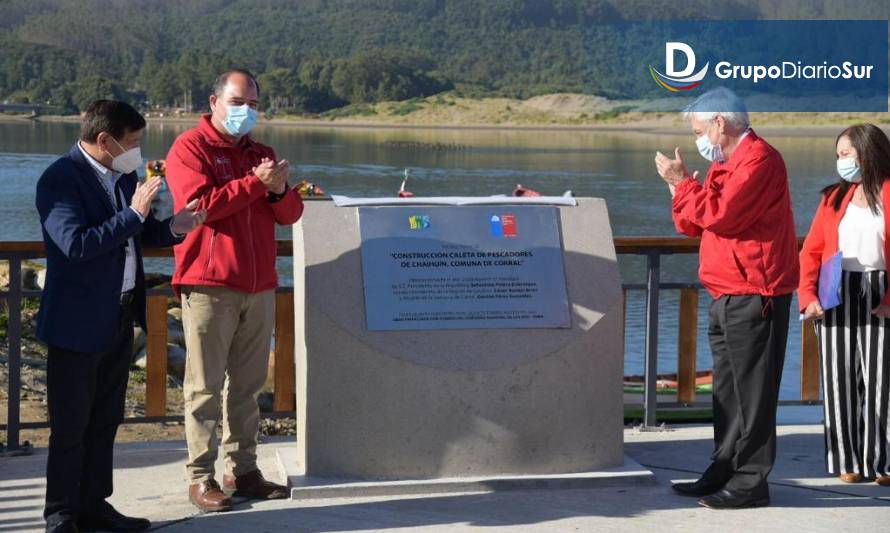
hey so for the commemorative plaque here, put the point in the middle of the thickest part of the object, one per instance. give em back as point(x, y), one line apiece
point(427, 268)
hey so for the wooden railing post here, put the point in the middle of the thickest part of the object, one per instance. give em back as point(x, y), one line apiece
point(284, 380)
point(687, 345)
point(156, 357)
point(809, 363)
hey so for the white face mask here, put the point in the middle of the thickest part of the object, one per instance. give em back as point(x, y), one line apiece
point(848, 170)
point(128, 161)
point(711, 152)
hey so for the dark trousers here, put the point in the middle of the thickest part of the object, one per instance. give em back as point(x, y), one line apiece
point(748, 334)
point(86, 394)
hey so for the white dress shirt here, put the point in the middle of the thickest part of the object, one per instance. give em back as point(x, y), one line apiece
point(860, 237)
point(108, 180)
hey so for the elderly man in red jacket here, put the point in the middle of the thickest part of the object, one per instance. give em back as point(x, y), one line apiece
point(225, 274)
point(742, 212)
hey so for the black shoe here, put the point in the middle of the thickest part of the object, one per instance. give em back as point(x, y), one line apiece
point(702, 487)
point(65, 526)
point(735, 499)
point(107, 518)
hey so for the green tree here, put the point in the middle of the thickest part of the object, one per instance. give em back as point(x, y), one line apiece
point(93, 88)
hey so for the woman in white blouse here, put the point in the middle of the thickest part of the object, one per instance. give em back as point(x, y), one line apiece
point(853, 336)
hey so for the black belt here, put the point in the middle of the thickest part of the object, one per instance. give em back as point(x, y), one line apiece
point(127, 298)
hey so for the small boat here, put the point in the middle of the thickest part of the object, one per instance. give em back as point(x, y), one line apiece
point(666, 391)
point(156, 168)
point(307, 189)
point(668, 383)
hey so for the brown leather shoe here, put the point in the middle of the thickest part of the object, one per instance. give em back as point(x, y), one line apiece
point(208, 497)
point(253, 485)
point(851, 478)
point(883, 481)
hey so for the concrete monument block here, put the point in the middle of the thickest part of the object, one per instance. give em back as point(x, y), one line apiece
point(458, 403)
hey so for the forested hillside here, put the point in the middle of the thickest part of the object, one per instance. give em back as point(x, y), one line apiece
point(315, 55)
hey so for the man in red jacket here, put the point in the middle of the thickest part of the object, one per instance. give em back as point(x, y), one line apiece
point(225, 274)
point(748, 255)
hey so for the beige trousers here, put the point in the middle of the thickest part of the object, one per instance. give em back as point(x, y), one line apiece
point(228, 337)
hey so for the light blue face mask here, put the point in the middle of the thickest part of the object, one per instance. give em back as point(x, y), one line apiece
point(848, 169)
point(240, 120)
point(711, 152)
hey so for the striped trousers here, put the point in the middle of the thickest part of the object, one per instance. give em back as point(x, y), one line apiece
point(855, 350)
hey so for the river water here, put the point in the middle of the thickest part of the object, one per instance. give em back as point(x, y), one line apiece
point(615, 165)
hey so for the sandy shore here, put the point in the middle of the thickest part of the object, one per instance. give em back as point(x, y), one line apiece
point(662, 126)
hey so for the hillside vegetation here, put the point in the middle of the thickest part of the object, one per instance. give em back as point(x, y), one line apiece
point(314, 56)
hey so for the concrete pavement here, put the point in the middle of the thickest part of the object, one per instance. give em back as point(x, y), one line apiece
point(150, 481)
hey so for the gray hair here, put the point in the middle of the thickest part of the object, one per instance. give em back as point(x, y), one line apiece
point(720, 101)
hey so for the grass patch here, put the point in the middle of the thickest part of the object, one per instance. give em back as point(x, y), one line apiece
point(635, 414)
point(137, 375)
point(615, 112)
point(357, 110)
point(406, 108)
point(639, 389)
point(30, 306)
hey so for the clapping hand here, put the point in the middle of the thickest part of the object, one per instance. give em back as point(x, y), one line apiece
point(145, 194)
point(188, 218)
point(273, 175)
point(672, 171)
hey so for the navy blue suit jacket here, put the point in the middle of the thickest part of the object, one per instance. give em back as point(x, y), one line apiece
point(86, 240)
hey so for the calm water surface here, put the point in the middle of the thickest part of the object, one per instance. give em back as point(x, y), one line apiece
point(617, 166)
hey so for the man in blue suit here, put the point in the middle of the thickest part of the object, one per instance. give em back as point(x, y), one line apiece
point(96, 217)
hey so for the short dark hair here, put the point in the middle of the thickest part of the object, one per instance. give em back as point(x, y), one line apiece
point(223, 79)
point(111, 116)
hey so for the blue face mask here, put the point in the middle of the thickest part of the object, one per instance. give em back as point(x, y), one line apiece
point(848, 169)
point(711, 152)
point(240, 120)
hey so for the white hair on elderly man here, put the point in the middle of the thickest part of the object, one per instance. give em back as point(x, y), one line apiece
point(720, 101)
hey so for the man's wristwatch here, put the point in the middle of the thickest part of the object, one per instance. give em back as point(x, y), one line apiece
point(272, 197)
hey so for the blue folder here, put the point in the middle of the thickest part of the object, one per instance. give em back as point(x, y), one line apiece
point(830, 275)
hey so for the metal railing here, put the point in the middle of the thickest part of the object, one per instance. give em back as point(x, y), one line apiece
point(652, 248)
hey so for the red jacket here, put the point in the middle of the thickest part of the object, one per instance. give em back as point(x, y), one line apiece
point(743, 214)
point(236, 247)
point(821, 243)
